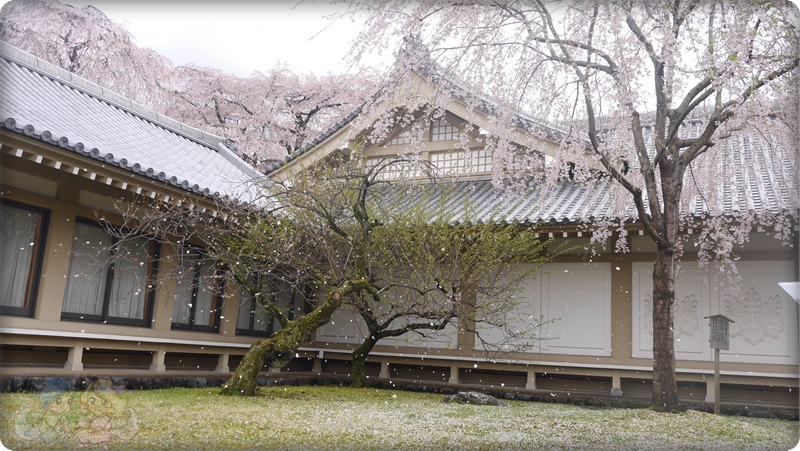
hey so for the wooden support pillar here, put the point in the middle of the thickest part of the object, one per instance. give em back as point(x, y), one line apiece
point(711, 390)
point(531, 384)
point(222, 362)
point(616, 383)
point(75, 357)
point(454, 379)
point(316, 364)
point(385, 370)
point(158, 360)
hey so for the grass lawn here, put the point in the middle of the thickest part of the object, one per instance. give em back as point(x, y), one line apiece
point(355, 419)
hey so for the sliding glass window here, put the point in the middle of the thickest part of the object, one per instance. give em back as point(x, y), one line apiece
point(23, 230)
point(198, 296)
point(110, 280)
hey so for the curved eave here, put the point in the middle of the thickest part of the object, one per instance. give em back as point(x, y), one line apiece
point(120, 174)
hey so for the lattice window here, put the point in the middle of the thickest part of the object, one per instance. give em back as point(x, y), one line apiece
point(403, 138)
point(441, 130)
point(481, 161)
point(456, 162)
point(526, 163)
point(396, 170)
point(450, 162)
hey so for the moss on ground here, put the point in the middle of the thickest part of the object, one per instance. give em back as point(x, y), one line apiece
point(332, 417)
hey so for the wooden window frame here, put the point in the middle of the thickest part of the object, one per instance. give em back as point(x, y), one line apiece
point(37, 260)
point(149, 286)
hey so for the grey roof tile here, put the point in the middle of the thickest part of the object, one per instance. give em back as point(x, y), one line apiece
point(574, 203)
point(45, 102)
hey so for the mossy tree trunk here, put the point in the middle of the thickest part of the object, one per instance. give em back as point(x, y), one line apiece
point(279, 349)
point(665, 387)
point(379, 331)
point(360, 362)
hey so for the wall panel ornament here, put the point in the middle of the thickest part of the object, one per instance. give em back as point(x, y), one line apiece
point(691, 305)
point(755, 319)
point(766, 319)
point(687, 316)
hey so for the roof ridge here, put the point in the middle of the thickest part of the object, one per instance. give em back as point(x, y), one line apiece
point(46, 68)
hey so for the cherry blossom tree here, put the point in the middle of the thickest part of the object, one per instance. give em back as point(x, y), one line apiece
point(266, 115)
point(659, 98)
point(85, 42)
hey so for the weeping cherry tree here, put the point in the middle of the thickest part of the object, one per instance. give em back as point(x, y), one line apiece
point(660, 98)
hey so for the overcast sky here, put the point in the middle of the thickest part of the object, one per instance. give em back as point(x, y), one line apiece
point(237, 36)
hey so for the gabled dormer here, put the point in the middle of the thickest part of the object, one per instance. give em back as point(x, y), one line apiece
point(454, 141)
point(450, 142)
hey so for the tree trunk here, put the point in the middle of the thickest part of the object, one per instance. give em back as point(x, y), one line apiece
point(665, 388)
point(360, 361)
point(279, 349)
point(243, 382)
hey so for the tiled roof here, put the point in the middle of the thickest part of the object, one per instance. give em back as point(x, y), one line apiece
point(44, 102)
point(757, 181)
point(571, 203)
point(760, 180)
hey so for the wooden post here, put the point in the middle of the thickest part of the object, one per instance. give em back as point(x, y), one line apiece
point(716, 381)
point(454, 377)
point(158, 359)
point(75, 357)
point(222, 362)
point(531, 383)
point(719, 339)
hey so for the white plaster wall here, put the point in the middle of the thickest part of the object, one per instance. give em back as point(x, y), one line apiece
point(522, 318)
point(574, 300)
point(766, 318)
point(348, 327)
point(345, 326)
point(578, 298)
point(444, 339)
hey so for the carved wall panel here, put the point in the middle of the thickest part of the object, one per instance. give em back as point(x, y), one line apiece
point(691, 307)
point(766, 322)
